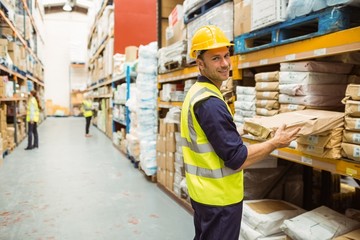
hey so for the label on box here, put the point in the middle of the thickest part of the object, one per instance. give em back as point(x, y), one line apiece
point(356, 138)
point(356, 152)
point(357, 124)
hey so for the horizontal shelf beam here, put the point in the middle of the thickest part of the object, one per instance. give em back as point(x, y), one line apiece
point(337, 166)
point(326, 45)
point(162, 104)
point(32, 20)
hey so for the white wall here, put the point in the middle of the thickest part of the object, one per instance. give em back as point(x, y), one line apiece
point(62, 31)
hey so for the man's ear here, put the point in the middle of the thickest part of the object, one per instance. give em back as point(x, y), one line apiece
point(200, 63)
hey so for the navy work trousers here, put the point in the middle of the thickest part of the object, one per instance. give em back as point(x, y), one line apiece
point(217, 222)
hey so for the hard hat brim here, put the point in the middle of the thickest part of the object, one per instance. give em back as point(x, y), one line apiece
point(214, 46)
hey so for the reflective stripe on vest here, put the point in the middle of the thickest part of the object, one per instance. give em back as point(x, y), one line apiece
point(205, 172)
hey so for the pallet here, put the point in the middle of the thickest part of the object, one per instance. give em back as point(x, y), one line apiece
point(201, 10)
point(316, 24)
point(151, 178)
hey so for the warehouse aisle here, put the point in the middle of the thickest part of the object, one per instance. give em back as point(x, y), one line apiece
point(75, 188)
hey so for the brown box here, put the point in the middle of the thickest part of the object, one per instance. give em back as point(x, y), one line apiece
point(161, 160)
point(242, 17)
point(170, 159)
point(161, 144)
point(170, 142)
point(162, 127)
point(353, 91)
point(169, 180)
point(351, 151)
point(172, 127)
point(161, 176)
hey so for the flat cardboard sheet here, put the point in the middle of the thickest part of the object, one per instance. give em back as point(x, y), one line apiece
point(267, 77)
point(241, 90)
point(320, 89)
point(267, 86)
point(321, 223)
point(351, 137)
point(268, 104)
point(284, 107)
point(353, 91)
point(332, 139)
point(311, 122)
point(267, 95)
point(315, 66)
point(266, 112)
point(333, 153)
point(352, 108)
point(352, 124)
point(309, 100)
point(249, 106)
point(351, 151)
point(309, 78)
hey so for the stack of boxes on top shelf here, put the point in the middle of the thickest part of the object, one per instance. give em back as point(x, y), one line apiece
point(267, 93)
point(3, 127)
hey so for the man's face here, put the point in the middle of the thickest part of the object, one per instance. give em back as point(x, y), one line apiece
point(215, 64)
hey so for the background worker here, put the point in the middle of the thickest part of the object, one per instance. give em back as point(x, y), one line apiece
point(214, 153)
point(32, 119)
point(86, 108)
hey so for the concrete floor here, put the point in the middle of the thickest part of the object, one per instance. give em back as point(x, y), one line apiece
point(75, 188)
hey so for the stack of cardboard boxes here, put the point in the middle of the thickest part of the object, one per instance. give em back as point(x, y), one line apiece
point(3, 126)
point(166, 148)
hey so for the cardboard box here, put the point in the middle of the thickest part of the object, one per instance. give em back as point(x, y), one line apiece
point(162, 127)
point(267, 12)
point(161, 144)
point(170, 160)
point(351, 151)
point(353, 91)
point(161, 176)
point(170, 142)
point(169, 180)
point(176, 15)
point(242, 17)
point(352, 124)
point(161, 160)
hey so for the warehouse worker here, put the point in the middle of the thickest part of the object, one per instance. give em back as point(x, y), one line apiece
point(214, 153)
point(32, 119)
point(88, 113)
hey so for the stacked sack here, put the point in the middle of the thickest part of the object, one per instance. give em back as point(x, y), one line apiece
point(351, 139)
point(310, 84)
point(267, 93)
point(244, 104)
point(320, 223)
point(263, 218)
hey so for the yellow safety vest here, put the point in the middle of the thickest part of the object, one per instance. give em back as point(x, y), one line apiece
point(87, 108)
point(32, 111)
point(209, 181)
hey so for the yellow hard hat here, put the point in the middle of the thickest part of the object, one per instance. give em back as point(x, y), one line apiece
point(208, 37)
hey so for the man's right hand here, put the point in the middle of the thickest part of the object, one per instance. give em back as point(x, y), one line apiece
point(283, 136)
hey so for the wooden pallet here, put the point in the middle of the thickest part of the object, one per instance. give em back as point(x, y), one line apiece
point(151, 178)
point(315, 24)
point(201, 10)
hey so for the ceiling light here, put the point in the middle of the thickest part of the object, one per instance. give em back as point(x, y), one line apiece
point(67, 7)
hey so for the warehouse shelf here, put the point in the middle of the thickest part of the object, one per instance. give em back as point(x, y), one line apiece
point(11, 72)
point(101, 47)
point(119, 121)
point(109, 95)
point(98, 16)
point(12, 99)
point(38, 6)
point(35, 80)
point(177, 75)
point(32, 20)
point(180, 201)
point(18, 35)
point(330, 44)
point(337, 166)
point(162, 104)
point(120, 102)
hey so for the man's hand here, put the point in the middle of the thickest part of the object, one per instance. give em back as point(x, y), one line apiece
point(283, 137)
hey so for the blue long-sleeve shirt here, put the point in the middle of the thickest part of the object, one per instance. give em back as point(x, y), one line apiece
point(220, 129)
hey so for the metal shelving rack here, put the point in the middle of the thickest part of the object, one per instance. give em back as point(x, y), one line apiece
point(330, 44)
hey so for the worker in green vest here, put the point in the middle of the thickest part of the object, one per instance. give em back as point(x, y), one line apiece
point(88, 113)
point(32, 119)
point(214, 153)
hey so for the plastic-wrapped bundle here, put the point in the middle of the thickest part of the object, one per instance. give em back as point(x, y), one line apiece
point(148, 51)
point(338, 2)
point(297, 8)
point(191, 5)
point(174, 53)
